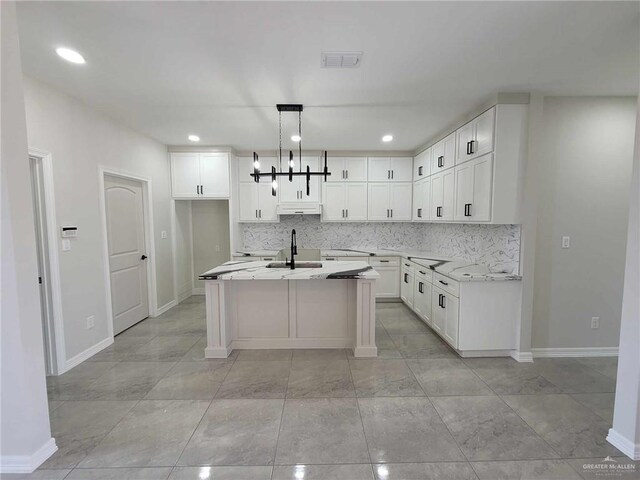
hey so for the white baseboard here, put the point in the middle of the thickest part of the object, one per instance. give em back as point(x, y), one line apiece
point(88, 353)
point(164, 308)
point(28, 463)
point(184, 295)
point(630, 449)
point(197, 291)
point(522, 357)
point(575, 352)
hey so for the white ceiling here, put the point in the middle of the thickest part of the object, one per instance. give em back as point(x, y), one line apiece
point(168, 69)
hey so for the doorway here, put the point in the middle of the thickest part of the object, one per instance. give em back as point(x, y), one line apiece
point(127, 251)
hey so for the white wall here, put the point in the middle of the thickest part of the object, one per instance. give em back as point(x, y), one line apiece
point(210, 236)
point(24, 431)
point(584, 181)
point(184, 252)
point(80, 140)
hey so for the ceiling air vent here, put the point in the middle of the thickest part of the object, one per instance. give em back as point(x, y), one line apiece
point(341, 59)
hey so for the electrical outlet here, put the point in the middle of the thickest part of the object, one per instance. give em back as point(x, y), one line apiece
point(595, 323)
point(163, 234)
point(217, 248)
point(566, 242)
point(91, 321)
point(66, 244)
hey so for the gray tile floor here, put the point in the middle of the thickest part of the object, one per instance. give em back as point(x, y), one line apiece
point(151, 407)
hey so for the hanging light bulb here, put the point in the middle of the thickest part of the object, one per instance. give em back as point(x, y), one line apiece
point(256, 164)
point(274, 184)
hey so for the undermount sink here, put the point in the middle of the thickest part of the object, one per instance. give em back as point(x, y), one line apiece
point(298, 265)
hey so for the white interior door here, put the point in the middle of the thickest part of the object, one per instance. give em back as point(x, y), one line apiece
point(127, 251)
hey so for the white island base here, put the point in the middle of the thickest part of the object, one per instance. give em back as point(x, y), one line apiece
point(305, 313)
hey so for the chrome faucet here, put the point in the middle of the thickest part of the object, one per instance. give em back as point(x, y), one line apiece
point(294, 249)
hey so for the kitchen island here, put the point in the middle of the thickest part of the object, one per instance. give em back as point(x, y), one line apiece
point(265, 305)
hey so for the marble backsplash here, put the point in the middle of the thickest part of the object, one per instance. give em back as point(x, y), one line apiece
point(497, 246)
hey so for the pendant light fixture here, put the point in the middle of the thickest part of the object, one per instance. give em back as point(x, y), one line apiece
point(274, 174)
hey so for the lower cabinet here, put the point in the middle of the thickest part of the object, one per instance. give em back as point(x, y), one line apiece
point(388, 285)
point(406, 286)
point(444, 307)
point(422, 298)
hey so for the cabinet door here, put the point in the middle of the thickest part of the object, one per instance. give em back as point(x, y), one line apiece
point(214, 175)
point(442, 195)
point(484, 132)
point(406, 288)
point(356, 169)
point(314, 184)
point(480, 209)
point(248, 202)
point(401, 169)
point(438, 314)
point(185, 175)
point(378, 201)
point(336, 166)
point(400, 201)
point(379, 169)
point(464, 135)
point(450, 308)
point(388, 285)
point(426, 199)
point(422, 165)
point(444, 154)
point(418, 202)
point(422, 299)
point(463, 191)
point(267, 203)
point(356, 202)
point(334, 202)
point(289, 191)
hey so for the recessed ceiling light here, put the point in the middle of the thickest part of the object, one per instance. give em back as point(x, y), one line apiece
point(193, 138)
point(387, 138)
point(296, 138)
point(70, 55)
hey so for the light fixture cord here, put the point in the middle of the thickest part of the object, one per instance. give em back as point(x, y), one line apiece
point(300, 135)
point(280, 139)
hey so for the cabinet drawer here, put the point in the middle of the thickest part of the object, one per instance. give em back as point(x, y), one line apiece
point(408, 265)
point(384, 261)
point(446, 284)
point(424, 273)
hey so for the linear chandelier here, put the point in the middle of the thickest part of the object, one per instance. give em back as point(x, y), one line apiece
point(274, 174)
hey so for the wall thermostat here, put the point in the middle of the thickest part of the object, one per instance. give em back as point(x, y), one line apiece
point(69, 231)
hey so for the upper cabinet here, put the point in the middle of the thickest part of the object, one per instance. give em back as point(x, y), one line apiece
point(199, 175)
point(295, 192)
point(473, 189)
point(422, 200)
point(390, 169)
point(347, 169)
point(390, 202)
point(476, 138)
point(344, 202)
point(422, 165)
point(444, 154)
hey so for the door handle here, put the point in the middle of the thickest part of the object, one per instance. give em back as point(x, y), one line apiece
point(347, 172)
point(391, 174)
point(143, 257)
point(392, 209)
point(260, 213)
point(387, 213)
point(467, 209)
point(441, 161)
point(419, 213)
point(197, 189)
point(201, 189)
point(256, 213)
point(444, 283)
point(420, 170)
point(346, 213)
point(388, 174)
point(406, 278)
point(420, 285)
point(438, 211)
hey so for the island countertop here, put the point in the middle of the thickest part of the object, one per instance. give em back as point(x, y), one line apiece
point(356, 270)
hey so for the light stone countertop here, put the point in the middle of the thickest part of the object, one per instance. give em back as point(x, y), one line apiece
point(356, 270)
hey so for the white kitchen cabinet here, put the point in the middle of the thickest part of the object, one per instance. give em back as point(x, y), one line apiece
point(347, 169)
point(422, 298)
point(345, 202)
point(422, 165)
point(295, 192)
point(444, 154)
point(199, 175)
point(390, 169)
point(445, 315)
point(406, 286)
point(256, 203)
point(421, 200)
point(473, 189)
point(388, 285)
point(442, 196)
point(390, 201)
point(476, 138)
point(245, 168)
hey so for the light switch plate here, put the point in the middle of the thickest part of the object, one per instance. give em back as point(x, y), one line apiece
point(566, 242)
point(595, 322)
point(91, 321)
point(66, 244)
point(163, 234)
